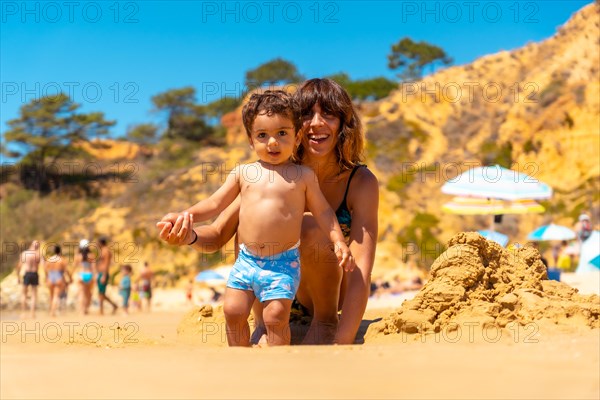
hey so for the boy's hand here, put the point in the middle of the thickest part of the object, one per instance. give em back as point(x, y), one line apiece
point(345, 259)
point(176, 228)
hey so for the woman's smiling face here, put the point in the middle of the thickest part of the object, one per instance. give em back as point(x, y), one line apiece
point(320, 131)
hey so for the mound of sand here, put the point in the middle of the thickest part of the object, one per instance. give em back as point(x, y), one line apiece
point(204, 325)
point(477, 282)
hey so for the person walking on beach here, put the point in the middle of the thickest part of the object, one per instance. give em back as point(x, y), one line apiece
point(56, 270)
point(125, 286)
point(29, 261)
point(85, 263)
point(189, 292)
point(103, 276)
point(274, 195)
point(146, 277)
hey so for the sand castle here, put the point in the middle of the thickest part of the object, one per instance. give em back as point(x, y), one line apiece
point(478, 283)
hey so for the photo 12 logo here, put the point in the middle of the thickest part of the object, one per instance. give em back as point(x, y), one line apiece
point(87, 92)
point(270, 11)
point(69, 332)
point(53, 12)
point(470, 11)
point(469, 92)
point(122, 252)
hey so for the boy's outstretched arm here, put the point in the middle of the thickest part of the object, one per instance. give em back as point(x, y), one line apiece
point(219, 200)
point(176, 228)
point(325, 217)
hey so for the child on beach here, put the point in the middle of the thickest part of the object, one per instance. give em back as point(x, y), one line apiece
point(189, 291)
point(274, 195)
point(136, 302)
point(125, 286)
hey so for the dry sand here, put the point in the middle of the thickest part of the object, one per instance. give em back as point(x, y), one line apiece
point(544, 344)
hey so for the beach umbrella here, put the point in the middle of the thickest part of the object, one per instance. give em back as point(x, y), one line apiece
point(209, 277)
point(551, 232)
point(224, 270)
point(497, 237)
point(481, 206)
point(589, 255)
point(496, 182)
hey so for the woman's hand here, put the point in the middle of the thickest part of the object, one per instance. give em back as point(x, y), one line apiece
point(176, 228)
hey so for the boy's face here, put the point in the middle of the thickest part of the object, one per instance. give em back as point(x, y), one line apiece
point(273, 138)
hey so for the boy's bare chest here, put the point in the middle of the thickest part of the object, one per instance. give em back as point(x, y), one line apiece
point(273, 184)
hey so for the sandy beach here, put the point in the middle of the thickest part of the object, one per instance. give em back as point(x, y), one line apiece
point(487, 324)
point(75, 357)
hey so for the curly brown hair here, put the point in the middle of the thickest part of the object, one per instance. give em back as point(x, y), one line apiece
point(271, 102)
point(334, 100)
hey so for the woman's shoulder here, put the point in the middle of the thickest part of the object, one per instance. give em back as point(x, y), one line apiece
point(364, 188)
point(364, 176)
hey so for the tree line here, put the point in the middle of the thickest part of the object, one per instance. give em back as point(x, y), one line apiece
point(49, 128)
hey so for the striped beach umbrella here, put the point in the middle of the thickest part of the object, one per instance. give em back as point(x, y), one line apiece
point(496, 182)
point(479, 206)
point(210, 277)
point(551, 232)
point(497, 237)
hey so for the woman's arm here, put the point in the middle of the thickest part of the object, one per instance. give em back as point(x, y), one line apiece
point(363, 241)
point(325, 217)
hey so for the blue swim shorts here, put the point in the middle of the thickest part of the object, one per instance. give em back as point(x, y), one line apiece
point(270, 278)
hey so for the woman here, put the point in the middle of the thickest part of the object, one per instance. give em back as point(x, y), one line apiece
point(85, 261)
point(332, 145)
point(56, 269)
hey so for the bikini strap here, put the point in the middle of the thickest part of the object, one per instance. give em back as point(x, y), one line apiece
point(348, 184)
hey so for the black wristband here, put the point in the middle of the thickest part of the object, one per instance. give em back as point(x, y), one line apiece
point(195, 238)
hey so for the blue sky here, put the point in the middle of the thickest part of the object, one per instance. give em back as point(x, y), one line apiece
point(113, 56)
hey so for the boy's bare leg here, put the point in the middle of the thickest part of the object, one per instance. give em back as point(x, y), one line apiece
point(237, 306)
point(276, 316)
point(259, 336)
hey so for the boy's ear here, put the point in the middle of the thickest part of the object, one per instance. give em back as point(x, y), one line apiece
point(251, 143)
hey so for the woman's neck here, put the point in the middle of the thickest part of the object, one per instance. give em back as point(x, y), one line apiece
point(324, 167)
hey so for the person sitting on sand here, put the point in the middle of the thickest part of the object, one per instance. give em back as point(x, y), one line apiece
point(274, 195)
